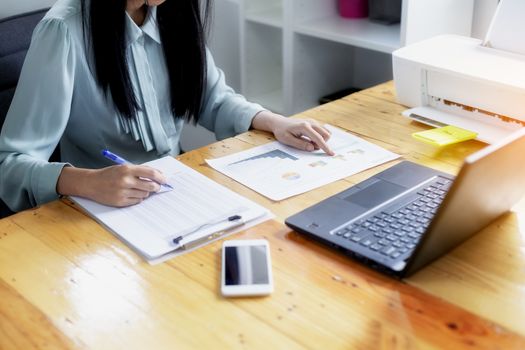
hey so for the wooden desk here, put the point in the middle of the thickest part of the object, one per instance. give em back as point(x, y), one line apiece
point(65, 282)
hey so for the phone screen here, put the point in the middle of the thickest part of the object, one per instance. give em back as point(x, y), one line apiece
point(246, 265)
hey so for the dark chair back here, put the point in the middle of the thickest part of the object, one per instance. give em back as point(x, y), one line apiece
point(15, 37)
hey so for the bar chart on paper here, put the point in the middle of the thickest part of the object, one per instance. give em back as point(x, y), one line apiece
point(278, 171)
point(276, 153)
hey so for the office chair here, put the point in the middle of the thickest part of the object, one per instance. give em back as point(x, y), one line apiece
point(15, 37)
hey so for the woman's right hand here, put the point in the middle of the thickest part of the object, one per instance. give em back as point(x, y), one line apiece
point(118, 186)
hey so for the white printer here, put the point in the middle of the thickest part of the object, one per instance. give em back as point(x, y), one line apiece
point(473, 84)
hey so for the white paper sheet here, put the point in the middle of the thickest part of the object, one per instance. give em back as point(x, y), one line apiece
point(278, 171)
point(507, 28)
point(195, 206)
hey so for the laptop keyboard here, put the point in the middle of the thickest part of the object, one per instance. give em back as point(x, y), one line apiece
point(395, 234)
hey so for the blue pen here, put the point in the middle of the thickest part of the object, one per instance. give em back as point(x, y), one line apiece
point(119, 160)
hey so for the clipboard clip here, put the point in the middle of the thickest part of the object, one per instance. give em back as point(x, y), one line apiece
point(234, 220)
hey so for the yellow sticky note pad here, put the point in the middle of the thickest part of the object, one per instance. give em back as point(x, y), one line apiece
point(443, 136)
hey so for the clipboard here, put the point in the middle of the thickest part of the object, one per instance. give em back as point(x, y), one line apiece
point(195, 201)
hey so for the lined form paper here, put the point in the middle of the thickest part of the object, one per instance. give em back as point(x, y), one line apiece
point(196, 205)
point(190, 205)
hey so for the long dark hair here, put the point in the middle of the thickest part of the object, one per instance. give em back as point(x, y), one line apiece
point(182, 26)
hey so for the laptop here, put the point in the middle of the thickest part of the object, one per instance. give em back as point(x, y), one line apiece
point(409, 215)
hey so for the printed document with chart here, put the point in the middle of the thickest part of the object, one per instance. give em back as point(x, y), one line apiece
point(196, 208)
point(278, 171)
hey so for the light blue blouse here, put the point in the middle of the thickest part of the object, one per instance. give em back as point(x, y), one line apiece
point(59, 100)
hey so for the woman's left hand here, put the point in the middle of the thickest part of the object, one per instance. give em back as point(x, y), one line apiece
point(304, 134)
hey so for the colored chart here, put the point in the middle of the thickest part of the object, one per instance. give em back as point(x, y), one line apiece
point(276, 153)
point(291, 176)
point(278, 171)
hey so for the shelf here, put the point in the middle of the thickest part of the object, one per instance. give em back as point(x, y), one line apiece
point(356, 32)
point(263, 65)
point(271, 17)
point(272, 100)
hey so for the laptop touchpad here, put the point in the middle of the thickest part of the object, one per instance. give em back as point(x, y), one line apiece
point(375, 194)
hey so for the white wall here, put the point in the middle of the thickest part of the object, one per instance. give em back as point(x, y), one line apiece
point(14, 7)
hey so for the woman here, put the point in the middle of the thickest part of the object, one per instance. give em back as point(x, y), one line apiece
point(121, 75)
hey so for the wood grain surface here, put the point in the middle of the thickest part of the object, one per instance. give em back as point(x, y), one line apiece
point(65, 282)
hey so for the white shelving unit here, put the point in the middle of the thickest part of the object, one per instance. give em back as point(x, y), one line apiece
point(359, 32)
point(321, 19)
point(293, 52)
point(268, 13)
point(263, 64)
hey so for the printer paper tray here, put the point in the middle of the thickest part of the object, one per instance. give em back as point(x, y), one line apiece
point(488, 131)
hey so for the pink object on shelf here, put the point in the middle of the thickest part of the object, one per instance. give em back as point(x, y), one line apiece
point(353, 8)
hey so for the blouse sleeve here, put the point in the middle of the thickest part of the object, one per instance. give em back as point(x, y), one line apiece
point(224, 112)
point(37, 119)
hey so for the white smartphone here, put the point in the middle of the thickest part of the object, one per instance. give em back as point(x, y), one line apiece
point(246, 268)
